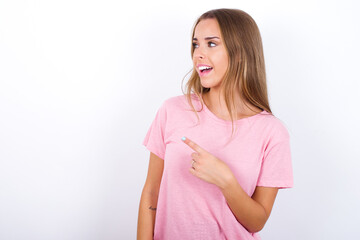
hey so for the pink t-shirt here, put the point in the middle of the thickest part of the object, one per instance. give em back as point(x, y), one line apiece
point(190, 208)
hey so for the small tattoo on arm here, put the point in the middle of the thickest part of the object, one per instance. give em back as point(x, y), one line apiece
point(151, 208)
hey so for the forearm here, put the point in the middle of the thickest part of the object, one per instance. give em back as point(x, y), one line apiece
point(146, 218)
point(247, 211)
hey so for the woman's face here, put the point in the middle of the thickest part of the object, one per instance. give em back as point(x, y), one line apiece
point(210, 57)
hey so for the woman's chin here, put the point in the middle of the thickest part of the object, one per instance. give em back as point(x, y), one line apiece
point(206, 84)
point(210, 83)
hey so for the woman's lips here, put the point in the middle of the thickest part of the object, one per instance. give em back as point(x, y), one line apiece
point(205, 72)
point(203, 69)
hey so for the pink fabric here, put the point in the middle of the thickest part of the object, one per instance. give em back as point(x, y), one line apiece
point(189, 208)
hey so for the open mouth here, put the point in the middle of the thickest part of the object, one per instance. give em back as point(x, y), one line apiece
point(205, 69)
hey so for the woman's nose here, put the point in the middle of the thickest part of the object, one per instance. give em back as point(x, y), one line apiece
point(199, 53)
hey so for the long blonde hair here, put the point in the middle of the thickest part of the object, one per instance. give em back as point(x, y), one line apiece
point(245, 75)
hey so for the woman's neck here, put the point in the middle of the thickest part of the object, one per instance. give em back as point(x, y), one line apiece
point(215, 102)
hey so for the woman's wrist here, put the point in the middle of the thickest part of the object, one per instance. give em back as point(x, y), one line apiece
point(227, 182)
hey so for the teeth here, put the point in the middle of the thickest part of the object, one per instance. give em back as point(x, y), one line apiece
point(201, 68)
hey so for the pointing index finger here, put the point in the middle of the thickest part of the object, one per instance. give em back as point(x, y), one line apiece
point(192, 145)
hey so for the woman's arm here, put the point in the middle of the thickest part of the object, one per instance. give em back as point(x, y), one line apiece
point(251, 212)
point(149, 198)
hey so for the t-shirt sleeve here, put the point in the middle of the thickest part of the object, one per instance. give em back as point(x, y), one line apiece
point(276, 169)
point(154, 139)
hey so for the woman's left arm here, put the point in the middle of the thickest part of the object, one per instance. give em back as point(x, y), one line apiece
point(251, 212)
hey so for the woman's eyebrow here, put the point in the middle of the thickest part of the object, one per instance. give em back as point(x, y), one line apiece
point(207, 38)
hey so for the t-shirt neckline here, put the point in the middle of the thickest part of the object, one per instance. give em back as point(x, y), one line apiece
point(228, 122)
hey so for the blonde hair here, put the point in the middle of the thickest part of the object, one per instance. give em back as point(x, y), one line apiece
point(245, 75)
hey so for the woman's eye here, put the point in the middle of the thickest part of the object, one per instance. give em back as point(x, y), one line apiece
point(195, 45)
point(211, 44)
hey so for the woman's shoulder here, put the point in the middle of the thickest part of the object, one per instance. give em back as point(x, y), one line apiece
point(179, 101)
point(174, 99)
point(275, 126)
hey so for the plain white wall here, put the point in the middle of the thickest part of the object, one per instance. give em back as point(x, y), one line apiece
point(81, 81)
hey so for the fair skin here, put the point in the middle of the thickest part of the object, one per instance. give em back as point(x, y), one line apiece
point(149, 197)
point(250, 211)
point(210, 50)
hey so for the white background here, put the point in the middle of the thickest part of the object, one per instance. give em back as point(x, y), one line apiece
point(81, 81)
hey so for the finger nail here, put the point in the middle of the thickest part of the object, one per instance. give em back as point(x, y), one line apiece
point(183, 138)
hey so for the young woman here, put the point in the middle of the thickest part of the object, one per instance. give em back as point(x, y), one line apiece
point(217, 154)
